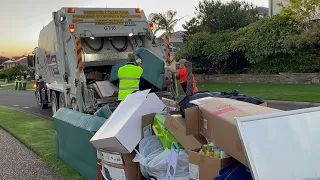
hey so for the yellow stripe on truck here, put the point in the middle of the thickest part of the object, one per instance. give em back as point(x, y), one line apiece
point(79, 55)
point(168, 47)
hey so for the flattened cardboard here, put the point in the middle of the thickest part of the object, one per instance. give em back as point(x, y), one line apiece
point(115, 158)
point(176, 125)
point(118, 172)
point(214, 119)
point(147, 120)
point(203, 167)
point(122, 132)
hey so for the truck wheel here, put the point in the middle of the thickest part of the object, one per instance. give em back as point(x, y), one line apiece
point(74, 104)
point(39, 101)
point(54, 102)
point(62, 101)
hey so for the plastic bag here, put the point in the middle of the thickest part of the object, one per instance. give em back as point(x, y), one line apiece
point(149, 147)
point(157, 167)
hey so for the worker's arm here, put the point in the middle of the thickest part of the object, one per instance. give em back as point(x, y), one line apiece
point(172, 70)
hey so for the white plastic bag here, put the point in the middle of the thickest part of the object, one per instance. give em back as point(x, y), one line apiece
point(149, 147)
point(157, 167)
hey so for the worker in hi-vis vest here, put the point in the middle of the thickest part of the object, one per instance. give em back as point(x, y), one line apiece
point(129, 77)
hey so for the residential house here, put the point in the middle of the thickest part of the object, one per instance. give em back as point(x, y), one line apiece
point(2, 60)
point(15, 61)
point(175, 39)
point(274, 8)
point(262, 11)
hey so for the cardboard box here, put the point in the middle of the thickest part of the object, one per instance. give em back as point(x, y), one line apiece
point(122, 132)
point(94, 75)
point(120, 172)
point(265, 104)
point(214, 119)
point(203, 167)
point(116, 158)
point(176, 125)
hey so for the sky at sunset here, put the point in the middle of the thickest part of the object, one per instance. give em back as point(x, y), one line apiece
point(22, 20)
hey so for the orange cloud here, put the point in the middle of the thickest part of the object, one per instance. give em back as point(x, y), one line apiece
point(15, 49)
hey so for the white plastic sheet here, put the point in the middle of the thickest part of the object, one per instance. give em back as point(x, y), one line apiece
point(157, 167)
point(150, 147)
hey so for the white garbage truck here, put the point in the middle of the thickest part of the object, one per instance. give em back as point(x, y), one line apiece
point(80, 51)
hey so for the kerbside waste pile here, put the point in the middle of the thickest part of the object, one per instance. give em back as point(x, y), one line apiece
point(146, 137)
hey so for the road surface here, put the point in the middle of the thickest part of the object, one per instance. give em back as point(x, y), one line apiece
point(26, 101)
point(23, 100)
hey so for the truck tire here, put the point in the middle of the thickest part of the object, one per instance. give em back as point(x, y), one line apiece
point(54, 102)
point(39, 100)
point(62, 101)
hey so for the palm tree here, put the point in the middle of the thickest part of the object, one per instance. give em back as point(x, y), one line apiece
point(164, 21)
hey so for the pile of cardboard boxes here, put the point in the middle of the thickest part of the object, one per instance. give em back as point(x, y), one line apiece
point(212, 120)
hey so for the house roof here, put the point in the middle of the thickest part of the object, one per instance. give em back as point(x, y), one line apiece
point(22, 60)
point(177, 34)
point(262, 10)
point(18, 60)
point(16, 57)
point(3, 59)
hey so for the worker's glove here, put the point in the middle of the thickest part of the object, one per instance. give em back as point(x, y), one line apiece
point(138, 61)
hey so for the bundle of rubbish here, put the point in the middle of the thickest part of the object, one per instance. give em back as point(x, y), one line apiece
point(151, 138)
point(185, 102)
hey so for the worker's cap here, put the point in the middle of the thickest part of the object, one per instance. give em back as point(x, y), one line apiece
point(182, 61)
point(138, 60)
point(131, 57)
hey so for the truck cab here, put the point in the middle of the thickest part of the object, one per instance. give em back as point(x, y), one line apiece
point(81, 49)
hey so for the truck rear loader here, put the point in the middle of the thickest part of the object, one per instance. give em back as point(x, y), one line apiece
point(80, 51)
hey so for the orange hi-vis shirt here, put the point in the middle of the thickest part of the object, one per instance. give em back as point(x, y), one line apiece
point(195, 88)
point(183, 75)
point(183, 78)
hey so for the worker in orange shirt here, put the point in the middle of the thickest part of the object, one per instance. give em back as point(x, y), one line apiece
point(182, 73)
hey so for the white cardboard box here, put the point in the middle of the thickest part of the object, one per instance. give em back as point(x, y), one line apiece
point(122, 131)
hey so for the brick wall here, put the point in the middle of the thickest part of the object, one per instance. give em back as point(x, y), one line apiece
point(282, 78)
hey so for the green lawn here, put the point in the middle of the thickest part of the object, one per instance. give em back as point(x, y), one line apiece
point(38, 135)
point(29, 86)
point(286, 92)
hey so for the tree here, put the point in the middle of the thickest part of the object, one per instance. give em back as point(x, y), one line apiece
point(18, 70)
point(191, 27)
point(211, 52)
point(164, 21)
point(265, 38)
point(214, 16)
point(303, 10)
point(306, 47)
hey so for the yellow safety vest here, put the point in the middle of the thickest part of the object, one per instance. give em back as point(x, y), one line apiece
point(129, 78)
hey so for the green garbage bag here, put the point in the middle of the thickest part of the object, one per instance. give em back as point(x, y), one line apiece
point(104, 112)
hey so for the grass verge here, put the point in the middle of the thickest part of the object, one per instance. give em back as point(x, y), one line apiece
point(284, 92)
point(38, 135)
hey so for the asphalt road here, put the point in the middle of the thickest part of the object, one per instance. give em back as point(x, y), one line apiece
point(26, 101)
point(23, 100)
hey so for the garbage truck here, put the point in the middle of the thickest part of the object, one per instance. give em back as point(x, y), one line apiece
point(80, 51)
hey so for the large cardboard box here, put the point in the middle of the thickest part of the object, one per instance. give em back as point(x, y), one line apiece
point(203, 167)
point(214, 118)
point(122, 132)
point(116, 158)
point(176, 125)
point(121, 172)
